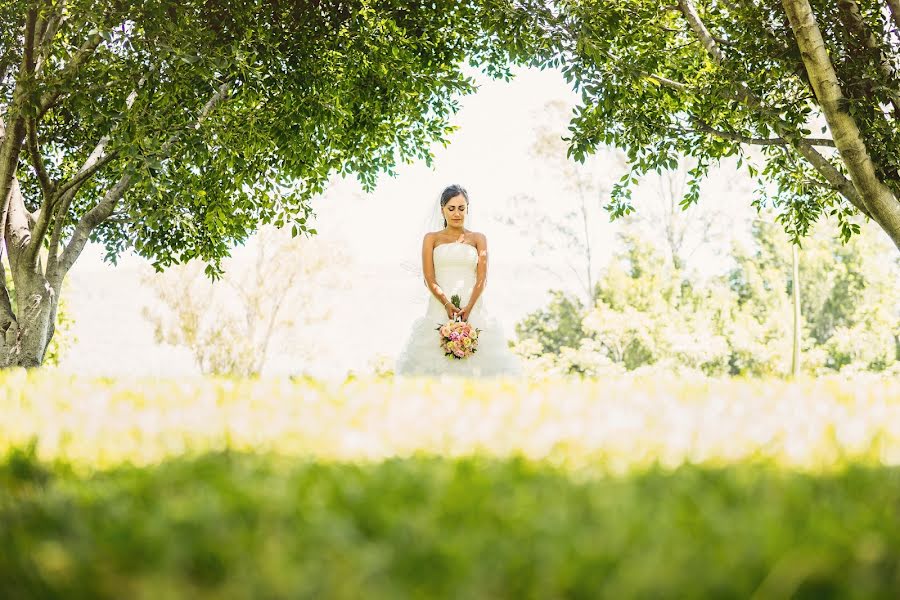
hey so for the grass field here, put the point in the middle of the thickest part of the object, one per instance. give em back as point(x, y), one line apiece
point(214, 488)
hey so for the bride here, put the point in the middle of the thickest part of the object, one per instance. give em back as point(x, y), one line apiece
point(455, 261)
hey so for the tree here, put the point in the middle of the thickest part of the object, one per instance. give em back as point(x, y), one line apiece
point(174, 129)
point(555, 327)
point(682, 230)
point(649, 314)
point(570, 231)
point(267, 293)
point(63, 338)
point(813, 83)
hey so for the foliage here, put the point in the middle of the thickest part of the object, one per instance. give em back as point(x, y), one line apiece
point(230, 524)
point(556, 326)
point(301, 91)
point(647, 313)
point(709, 79)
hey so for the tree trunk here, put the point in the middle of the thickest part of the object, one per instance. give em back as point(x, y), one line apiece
point(27, 338)
point(29, 328)
point(879, 201)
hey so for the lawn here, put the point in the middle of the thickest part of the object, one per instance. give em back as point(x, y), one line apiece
point(217, 488)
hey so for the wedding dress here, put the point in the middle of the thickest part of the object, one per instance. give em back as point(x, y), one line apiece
point(454, 268)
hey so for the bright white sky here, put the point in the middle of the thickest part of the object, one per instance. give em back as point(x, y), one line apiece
point(490, 155)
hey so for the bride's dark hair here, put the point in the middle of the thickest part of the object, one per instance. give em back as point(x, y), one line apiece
point(452, 191)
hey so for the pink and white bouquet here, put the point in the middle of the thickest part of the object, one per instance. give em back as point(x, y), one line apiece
point(458, 339)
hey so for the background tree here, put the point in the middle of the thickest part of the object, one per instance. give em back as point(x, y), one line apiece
point(814, 84)
point(565, 229)
point(649, 315)
point(683, 230)
point(267, 294)
point(174, 129)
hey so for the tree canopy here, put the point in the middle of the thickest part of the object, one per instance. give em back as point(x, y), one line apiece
point(178, 127)
point(813, 83)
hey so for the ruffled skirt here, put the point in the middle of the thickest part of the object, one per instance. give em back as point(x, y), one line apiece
point(422, 354)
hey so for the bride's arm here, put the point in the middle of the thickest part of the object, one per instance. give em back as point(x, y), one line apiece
point(428, 270)
point(480, 271)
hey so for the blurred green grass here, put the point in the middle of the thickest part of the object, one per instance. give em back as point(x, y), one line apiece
point(240, 525)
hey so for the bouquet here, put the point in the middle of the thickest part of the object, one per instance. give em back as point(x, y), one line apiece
point(458, 338)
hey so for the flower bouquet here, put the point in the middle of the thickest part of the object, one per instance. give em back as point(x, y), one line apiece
point(458, 338)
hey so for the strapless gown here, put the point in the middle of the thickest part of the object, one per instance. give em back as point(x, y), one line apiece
point(455, 270)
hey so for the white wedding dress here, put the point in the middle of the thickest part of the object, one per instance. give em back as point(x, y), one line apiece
point(455, 268)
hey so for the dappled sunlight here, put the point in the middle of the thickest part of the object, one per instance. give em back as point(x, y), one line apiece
point(614, 425)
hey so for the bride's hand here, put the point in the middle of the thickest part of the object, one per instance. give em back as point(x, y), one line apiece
point(451, 310)
point(464, 313)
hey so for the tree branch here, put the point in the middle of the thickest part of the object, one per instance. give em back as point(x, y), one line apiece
point(693, 18)
point(853, 20)
point(106, 206)
point(66, 192)
point(819, 162)
point(87, 224)
point(777, 141)
point(17, 225)
point(94, 163)
point(50, 31)
point(37, 161)
point(81, 57)
point(59, 216)
point(13, 131)
point(97, 160)
point(30, 33)
point(48, 188)
point(837, 179)
point(894, 6)
point(667, 82)
point(7, 317)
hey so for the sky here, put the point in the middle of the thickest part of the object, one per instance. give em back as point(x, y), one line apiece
point(379, 234)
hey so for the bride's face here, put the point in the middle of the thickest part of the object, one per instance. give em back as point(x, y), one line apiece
point(455, 210)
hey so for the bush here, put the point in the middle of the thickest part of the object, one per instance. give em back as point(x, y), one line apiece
point(236, 525)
